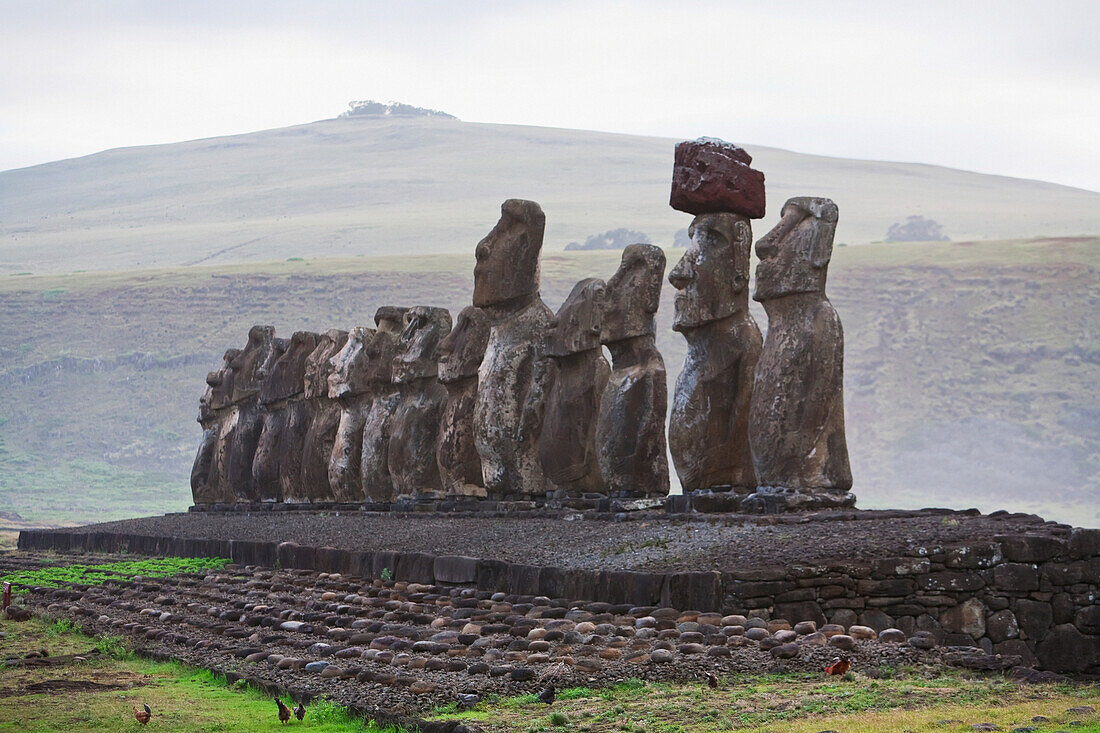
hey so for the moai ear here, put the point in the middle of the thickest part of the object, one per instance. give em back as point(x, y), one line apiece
point(742, 240)
point(825, 213)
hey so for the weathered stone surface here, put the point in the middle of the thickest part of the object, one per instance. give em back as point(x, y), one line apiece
point(414, 432)
point(1031, 548)
point(1088, 620)
point(842, 641)
point(207, 486)
point(1065, 649)
point(241, 432)
point(577, 375)
point(276, 467)
point(349, 385)
point(1002, 626)
point(511, 392)
point(708, 429)
point(386, 398)
point(965, 618)
point(324, 419)
point(797, 413)
point(1017, 577)
point(460, 355)
point(713, 176)
point(1034, 617)
point(630, 430)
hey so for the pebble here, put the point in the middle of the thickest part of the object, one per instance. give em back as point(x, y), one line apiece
point(316, 666)
point(661, 656)
point(895, 636)
point(785, 651)
point(842, 641)
point(862, 632)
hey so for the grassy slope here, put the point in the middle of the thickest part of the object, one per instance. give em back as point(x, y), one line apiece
point(971, 369)
point(185, 699)
point(363, 186)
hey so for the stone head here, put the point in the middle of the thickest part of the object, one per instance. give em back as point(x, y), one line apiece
point(507, 266)
point(219, 385)
point(576, 327)
point(287, 376)
point(350, 365)
point(418, 347)
point(794, 255)
point(461, 352)
point(319, 362)
point(382, 346)
point(633, 294)
point(713, 275)
point(249, 364)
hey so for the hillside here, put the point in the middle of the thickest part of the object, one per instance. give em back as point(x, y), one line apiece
point(971, 370)
point(380, 185)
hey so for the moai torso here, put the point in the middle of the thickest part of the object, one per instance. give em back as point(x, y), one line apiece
point(349, 385)
point(324, 419)
point(277, 467)
point(460, 355)
point(265, 461)
point(797, 416)
point(577, 377)
point(375, 471)
point(512, 377)
point(241, 431)
point(415, 428)
point(708, 431)
point(630, 432)
point(214, 412)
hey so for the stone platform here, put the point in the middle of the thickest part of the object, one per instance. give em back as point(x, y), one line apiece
point(1008, 583)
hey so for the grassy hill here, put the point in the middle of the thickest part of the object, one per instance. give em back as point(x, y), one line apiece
point(363, 186)
point(971, 367)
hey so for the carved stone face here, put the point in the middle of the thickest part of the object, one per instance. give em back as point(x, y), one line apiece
point(633, 294)
point(794, 255)
point(319, 362)
point(382, 347)
point(461, 352)
point(219, 391)
point(713, 274)
point(576, 327)
point(508, 257)
point(350, 366)
point(248, 366)
point(418, 347)
point(287, 376)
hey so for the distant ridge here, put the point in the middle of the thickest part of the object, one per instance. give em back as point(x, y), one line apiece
point(375, 183)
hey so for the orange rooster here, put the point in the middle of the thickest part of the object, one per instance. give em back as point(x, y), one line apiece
point(143, 716)
point(284, 711)
point(840, 666)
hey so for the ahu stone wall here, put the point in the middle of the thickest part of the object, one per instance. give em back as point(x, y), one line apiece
point(1033, 596)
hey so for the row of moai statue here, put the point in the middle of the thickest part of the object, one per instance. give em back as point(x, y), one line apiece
point(517, 402)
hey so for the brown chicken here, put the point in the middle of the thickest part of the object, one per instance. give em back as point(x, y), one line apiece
point(712, 680)
point(284, 711)
point(840, 666)
point(300, 711)
point(143, 716)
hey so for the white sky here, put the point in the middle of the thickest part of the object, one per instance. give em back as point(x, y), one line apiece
point(1002, 87)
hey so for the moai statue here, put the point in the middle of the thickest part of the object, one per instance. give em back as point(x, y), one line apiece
point(577, 376)
point(708, 429)
point(265, 461)
point(241, 432)
point(349, 385)
point(324, 419)
point(460, 355)
point(797, 417)
point(414, 431)
point(213, 414)
point(277, 467)
point(512, 377)
point(630, 432)
point(385, 399)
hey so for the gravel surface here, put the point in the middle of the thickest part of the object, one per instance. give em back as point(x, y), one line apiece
point(659, 543)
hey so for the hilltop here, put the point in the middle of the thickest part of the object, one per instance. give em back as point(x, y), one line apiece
point(376, 184)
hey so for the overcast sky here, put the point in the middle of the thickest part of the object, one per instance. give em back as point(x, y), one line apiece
point(997, 87)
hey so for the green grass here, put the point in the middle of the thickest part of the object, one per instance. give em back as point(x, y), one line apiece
point(911, 699)
point(182, 698)
point(59, 575)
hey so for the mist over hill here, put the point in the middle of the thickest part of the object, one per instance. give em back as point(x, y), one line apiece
point(376, 184)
